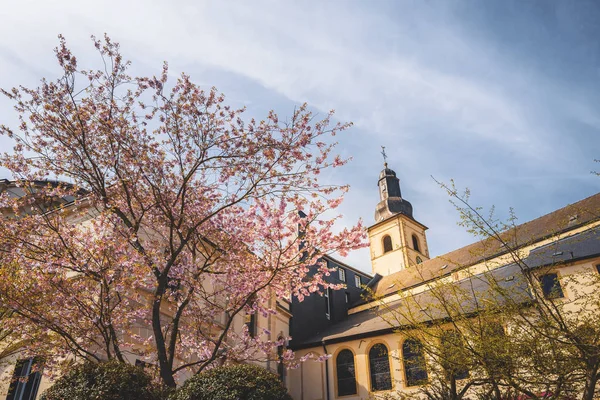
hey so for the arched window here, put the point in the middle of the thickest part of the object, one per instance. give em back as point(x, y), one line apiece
point(387, 243)
point(346, 377)
point(454, 356)
point(379, 366)
point(415, 240)
point(414, 362)
point(496, 356)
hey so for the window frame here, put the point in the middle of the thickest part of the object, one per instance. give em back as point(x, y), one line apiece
point(336, 372)
point(341, 274)
point(251, 322)
point(357, 281)
point(406, 368)
point(17, 387)
point(372, 388)
point(450, 341)
point(281, 372)
point(416, 243)
point(327, 296)
point(384, 244)
point(551, 293)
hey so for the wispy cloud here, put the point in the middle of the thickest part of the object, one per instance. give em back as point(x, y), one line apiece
point(438, 85)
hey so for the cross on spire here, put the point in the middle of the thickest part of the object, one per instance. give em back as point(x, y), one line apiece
point(384, 156)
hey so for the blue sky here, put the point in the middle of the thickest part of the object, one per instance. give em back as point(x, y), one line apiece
point(502, 96)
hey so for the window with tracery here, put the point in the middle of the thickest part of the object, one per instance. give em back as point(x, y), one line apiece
point(414, 362)
point(346, 374)
point(454, 356)
point(379, 368)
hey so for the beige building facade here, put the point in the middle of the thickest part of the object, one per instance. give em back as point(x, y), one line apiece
point(362, 354)
point(17, 366)
point(369, 354)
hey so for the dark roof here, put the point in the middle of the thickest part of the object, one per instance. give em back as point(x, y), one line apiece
point(391, 207)
point(549, 225)
point(573, 248)
point(426, 307)
point(392, 203)
point(343, 264)
point(33, 188)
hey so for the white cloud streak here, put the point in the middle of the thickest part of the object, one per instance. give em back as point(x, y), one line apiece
point(442, 99)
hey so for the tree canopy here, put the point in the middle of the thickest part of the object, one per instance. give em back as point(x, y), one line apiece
point(180, 216)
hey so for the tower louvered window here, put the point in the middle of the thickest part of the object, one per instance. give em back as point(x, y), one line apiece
point(387, 244)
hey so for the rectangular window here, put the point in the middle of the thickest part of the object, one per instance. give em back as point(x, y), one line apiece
point(327, 304)
point(347, 297)
point(357, 281)
point(342, 274)
point(551, 286)
point(250, 321)
point(25, 380)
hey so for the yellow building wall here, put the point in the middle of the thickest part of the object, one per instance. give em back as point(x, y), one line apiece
point(303, 385)
point(7, 368)
point(578, 280)
point(400, 229)
point(306, 382)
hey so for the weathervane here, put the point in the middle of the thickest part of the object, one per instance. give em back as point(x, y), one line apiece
point(384, 156)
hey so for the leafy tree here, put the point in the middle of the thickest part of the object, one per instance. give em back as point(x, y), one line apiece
point(9, 343)
point(234, 382)
point(105, 381)
point(190, 217)
point(514, 339)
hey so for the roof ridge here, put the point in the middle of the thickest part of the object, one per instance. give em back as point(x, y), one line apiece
point(544, 226)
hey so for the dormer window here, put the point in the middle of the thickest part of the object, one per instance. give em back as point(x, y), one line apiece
point(387, 243)
point(415, 241)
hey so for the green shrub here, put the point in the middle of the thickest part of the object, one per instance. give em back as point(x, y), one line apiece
point(104, 381)
point(234, 382)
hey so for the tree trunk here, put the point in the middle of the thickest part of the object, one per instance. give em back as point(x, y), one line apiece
point(591, 379)
point(453, 389)
point(165, 367)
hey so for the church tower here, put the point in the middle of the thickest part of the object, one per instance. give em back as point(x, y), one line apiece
point(397, 240)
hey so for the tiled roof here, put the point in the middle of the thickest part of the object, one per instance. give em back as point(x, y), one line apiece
point(580, 246)
point(426, 307)
point(372, 322)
